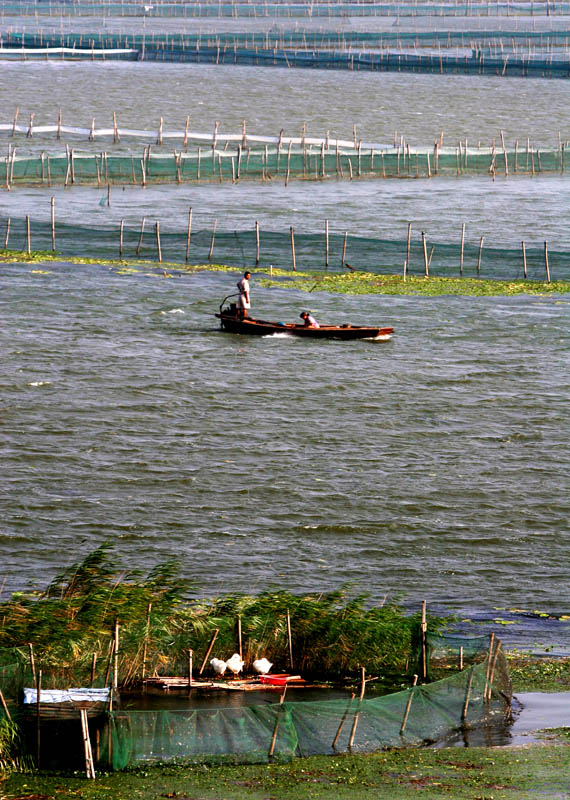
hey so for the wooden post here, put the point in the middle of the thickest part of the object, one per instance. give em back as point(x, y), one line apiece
point(53, 223)
point(4, 706)
point(488, 670)
point(122, 227)
point(276, 728)
point(16, 120)
point(146, 636)
point(59, 124)
point(139, 245)
point(462, 247)
point(38, 716)
point(93, 666)
point(408, 706)
point(190, 655)
point(239, 636)
point(326, 244)
point(357, 715)
point(116, 657)
point(292, 247)
point(524, 259)
point(108, 195)
point(188, 234)
point(290, 640)
point(466, 700)
point(546, 262)
point(158, 247)
point(343, 720)
point(479, 256)
point(408, 246)
point(33, 663)
point(424, 643)
point(492, 675)
point(28, 235)
point(209, 650)
point(426, 265)
point(256, 243)
point(212, 242)
point(461, 658)
point(344, 249)
point(89, 766)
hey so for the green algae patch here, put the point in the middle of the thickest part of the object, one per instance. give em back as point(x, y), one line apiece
point(474, 774)
point(371, 283)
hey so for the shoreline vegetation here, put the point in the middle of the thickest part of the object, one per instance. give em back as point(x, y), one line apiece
point(333, 635)
point(353, 283)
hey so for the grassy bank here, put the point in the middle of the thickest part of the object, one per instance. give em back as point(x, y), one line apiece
point(472, 774)
point(344, 283)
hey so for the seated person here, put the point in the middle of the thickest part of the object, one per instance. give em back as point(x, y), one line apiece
point(309, 320)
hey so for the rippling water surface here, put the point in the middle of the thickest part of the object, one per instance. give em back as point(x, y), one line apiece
point(434, 465)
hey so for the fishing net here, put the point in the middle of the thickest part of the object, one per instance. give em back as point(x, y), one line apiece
point(238, 248)
point(256, 734)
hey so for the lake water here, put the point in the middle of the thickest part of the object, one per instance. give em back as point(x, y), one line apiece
point(433, 466)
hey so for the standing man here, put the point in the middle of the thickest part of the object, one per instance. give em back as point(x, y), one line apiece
point(243, 300)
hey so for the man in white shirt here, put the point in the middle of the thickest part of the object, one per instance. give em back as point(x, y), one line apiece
point(243, 300)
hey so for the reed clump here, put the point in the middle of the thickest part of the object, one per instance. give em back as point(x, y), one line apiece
point(70, 626)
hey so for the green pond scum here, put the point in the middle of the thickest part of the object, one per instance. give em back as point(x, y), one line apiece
point(520, 773)
point(352, 283)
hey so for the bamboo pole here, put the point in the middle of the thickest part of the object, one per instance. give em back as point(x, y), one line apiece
point(28, 235)
point(276, 727)
point(93, 666)
point(38, 717)
point(7, 236)
point(408, 705)
point(461, 658)
point(290, 640)
point(492, 675)
point(239, 637)
point(139, 245)
point(116, 657)
point(467, 696)
point(479, 256)
point(190, 656)
point(33, 663)
point(424, 643)
point(158, 247)
point(256, 243)
point(188, 233)
point(546, 262)
point(53, 223)
point(4, 706)
point(524, 259)
point(343, 720)
point(344, 249)
point(462, 249)
point(121, 230)
point(146, 637)
point(209, 650)
point(212, 242)
point(357, 715)
point(326, 244)
point(408, 246)
point(292, 230)
point(426, 264)
point(89, 766)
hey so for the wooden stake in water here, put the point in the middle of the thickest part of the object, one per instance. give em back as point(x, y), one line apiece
point(6, 238)
point(158, 247)
point(121, 229)
point(256, 243)
point(426, 263)
point(53, 223)
point(292, 230)
point(290, 640)
point(28, 235)
point(462, 246)
point(212, 242)
point(546, 262)
point(344, 249)
point(139, 245)
point(467, 696)
point(479, 256)
point(276, 728)
point(524, 259)
point(326, 244)
point(408, 247)
point(189, 233)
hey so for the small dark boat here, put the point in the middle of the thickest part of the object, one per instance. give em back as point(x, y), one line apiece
point(232, 323)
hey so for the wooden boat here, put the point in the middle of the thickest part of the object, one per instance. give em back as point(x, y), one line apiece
point(231, 323)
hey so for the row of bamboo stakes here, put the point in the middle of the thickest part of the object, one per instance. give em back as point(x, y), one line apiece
point(406, 270)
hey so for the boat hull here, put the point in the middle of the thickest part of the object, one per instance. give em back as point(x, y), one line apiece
point(259, 327)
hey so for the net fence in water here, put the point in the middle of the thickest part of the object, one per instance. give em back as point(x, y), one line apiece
point(309, 162)
point(239, 249)
point(256, 734)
